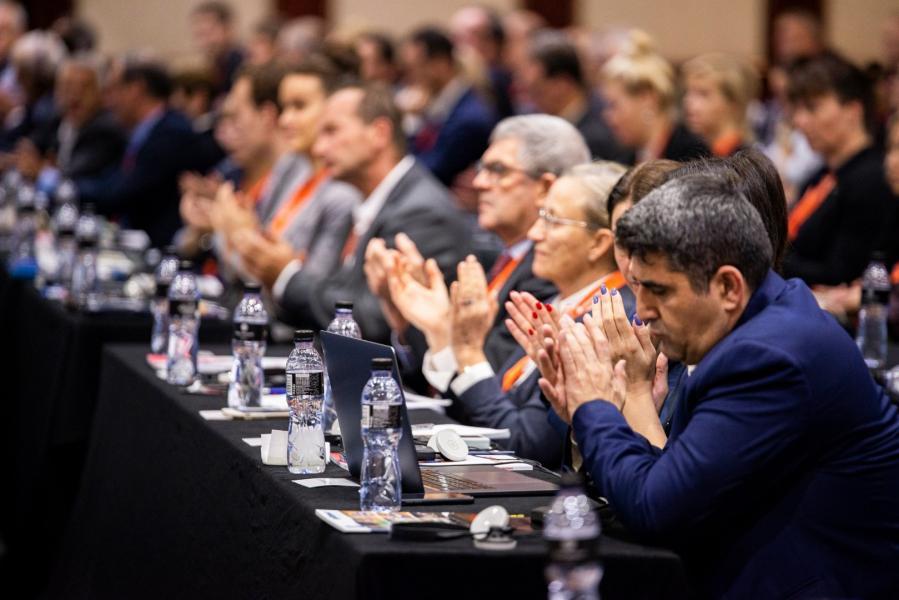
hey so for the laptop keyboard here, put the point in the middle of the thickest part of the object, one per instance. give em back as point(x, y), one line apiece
point(442, 482)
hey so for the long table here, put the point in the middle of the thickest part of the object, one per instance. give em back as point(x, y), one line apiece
point(51, 359)
point(172, 505)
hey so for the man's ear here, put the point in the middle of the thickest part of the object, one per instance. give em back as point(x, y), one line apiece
point(730, 287)
point(546, 181)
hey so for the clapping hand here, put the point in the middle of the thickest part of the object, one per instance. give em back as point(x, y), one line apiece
point(426, 305)
point(627, 341)
point(474, 309)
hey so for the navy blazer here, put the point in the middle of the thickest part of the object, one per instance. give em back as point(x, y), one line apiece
point(462, 138)
point(146, 194)
point(781, 475)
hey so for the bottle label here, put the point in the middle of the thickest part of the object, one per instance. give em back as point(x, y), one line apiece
point(305, 384)
point(573, 551)
point(381, 416)
point(249, 332)
point(183, 308)
point(162, 290)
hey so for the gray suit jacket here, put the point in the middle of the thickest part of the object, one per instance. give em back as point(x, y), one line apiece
point(418, 206)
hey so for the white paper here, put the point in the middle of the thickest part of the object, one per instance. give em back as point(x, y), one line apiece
point(471, 460)
point(274, 448)
point(416, 401)
point(212, 364)
point(315, 482)
point(255, 442)
point(214, 415)
point(276, 401)
point(463, 430)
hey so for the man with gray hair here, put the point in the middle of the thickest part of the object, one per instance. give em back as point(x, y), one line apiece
point(525, 156)
point(781, 472)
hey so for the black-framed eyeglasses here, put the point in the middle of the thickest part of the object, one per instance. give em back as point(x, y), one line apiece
point(551, 219)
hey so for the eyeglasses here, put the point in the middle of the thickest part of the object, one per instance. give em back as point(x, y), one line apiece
point(498, 170)
point(551, 219)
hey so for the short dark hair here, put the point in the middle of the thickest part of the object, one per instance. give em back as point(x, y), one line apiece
point(152, 76)
point(264, 82)
point(321, 67)
point(699, 223)
point(435, 42)
point(377, 103)
point(829, 73)
point(220, 10)
point(193, 81)
point(557, 56)
point(756, 177)
point(638, 181)
point(383, 43)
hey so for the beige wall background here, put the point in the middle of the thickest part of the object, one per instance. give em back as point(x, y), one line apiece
point(682, 28)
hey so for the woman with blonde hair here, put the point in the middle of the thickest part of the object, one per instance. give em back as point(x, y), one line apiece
point(640, 91)
point(717, 91)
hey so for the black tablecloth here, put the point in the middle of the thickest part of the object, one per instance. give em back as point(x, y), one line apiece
point(173, 505)
point(51, 360)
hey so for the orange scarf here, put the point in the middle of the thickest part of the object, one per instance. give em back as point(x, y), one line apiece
point(811, 201)
point(612, 281)
point(289, 210)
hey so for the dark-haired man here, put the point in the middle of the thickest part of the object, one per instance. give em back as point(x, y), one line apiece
point(839, 218)
point(781, 470)
point(362, 143)
point(554, 80)
point(143, 191)
point(457, 122)
point(212, 27)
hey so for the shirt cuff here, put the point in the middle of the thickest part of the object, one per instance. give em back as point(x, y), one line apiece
point(292, 268)
point(470, 376)
point(439, 368)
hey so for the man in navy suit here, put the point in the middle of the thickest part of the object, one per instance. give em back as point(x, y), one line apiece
point(780, 477)
point(143, 191)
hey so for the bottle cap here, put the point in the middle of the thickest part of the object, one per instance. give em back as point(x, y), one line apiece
point(346, 304)
point(251, 288)
point(878, 256)
point(185, 265)
point(170, 250)
point(303, 335)
point(382, 364)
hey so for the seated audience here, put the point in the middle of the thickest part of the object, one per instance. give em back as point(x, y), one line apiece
point(212, 27)
point(795, 498)
point(719, 88)
point(362, 143)
point(573, 248)
point(639, 89)
point(839, 218)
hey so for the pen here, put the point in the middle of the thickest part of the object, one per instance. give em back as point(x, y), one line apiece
point(275, 390)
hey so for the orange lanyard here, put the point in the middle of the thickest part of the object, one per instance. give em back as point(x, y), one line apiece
point(255, 191)
point(613, 280)
point(811, 201)
point(288, 210)
point(894, 276)
point(500, 279)
point(727, 144)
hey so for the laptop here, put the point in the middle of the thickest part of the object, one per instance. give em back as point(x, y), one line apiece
point(348, 362)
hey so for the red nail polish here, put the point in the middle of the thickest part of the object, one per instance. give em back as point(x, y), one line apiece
point(530, 332)
point(533, 314)
point(549, 308)
point(539, 306)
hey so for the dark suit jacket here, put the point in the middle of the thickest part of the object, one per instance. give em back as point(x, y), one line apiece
point(98, 148)
point(145, 194)
point(462, 138)
point(781, 473)
point(835, 244)
point(418, 206)
point(684, 146)
point(600, 139)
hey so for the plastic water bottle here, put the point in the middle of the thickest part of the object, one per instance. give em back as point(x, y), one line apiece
point(184, 326)
point(305, 392)
point(64, 223)
point(872, 319)
point(22, 249)
point(159, 306)
point(381, 431)
point(571, 530)
point(248, 346)
point(343, 324)
point(85, 284)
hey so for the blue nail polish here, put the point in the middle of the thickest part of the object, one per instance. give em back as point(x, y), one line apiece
point(637, 321)
point(603, 290)
point(595, 299)
point(614, 291)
